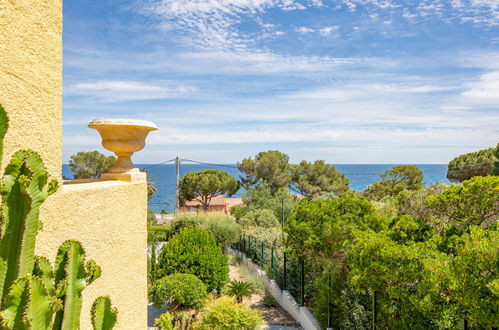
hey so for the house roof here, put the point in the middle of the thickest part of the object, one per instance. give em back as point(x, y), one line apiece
point(215, 201)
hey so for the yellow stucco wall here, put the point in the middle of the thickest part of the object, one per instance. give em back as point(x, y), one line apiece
point(31, 78)
point(109, 217)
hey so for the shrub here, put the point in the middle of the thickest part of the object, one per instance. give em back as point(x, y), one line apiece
point(226, 313)
point(158, 233)
point(184, 220)
point(164, 211)
point(181, 291)
point(238, 211)
point(194, 251)
point(261, 218)
point(239, 289)
point(151, 218)
point(223, 228)
point(165, 321)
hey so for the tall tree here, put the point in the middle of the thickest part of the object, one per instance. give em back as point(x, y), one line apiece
point(90, 165)
point(395, 180)
point(318, 178)
point(204, 185)
point(270, 167)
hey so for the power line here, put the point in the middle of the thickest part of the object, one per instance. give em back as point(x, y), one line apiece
point(168, 161)
point(212, 164)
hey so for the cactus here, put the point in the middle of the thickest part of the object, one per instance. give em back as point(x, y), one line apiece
point(24, 189)
point(29, 306)
point(70, 268)
point(4, 124)
point(33, 294)
point(103, 315)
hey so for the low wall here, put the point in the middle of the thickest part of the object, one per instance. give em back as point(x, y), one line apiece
point(301, 314)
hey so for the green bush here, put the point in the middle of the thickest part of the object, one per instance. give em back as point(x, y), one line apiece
point(479, 163)
point(181, 291)
point(223, 228)
point(194, 251)
point(261, 218)
point(158, 233)
point(226, 313)
point(151, 218)
point(184, 220)
point(238, 211)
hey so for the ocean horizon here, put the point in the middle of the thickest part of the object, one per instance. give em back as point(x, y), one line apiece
point(359, 175)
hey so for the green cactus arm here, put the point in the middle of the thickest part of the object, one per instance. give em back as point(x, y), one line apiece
point(42, 305)
point(70, 267)
point(43, 269)
point(103, 315)
point(24, 188)
point(4, 125)
point(14, 309)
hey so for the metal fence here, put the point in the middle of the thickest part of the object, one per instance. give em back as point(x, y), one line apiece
point(289, 272)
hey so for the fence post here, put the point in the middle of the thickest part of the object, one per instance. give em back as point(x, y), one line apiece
point(302, 281)
point(375, 311)
point(465, 324)
point(284, 285)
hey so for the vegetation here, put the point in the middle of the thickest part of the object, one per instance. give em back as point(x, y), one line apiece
point(194, 251)
point(158, 233)
point(226, 313)
point(90, 164)
point(317, 179)
point(260, 218)
point(268, 167)
point(221, 226)
point(479, 163)
point(239, 289)
point(396, 180)
point(180, 291)
point(261, 197)
point(495, 170)
point(432, 265)
point(33, 293)
point(204, 185)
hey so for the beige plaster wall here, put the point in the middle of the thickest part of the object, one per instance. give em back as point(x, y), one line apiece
point(31, 78)
point(108, 218)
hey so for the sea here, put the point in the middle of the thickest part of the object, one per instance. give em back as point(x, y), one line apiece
point(359, 175)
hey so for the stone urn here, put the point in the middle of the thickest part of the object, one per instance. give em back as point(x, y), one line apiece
point(123, 137)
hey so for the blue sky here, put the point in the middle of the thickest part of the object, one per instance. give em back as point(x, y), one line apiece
point(347, 81)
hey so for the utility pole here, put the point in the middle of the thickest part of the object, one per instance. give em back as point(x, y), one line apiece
point(177, 185)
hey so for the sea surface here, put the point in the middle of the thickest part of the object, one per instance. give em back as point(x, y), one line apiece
point(359, 175)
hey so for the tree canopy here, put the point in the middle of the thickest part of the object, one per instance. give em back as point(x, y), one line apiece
point(495, 170)
point(479, 163)
point(318, 178)
point(270, 167)
point(90, 164)
point(395, 180)
point(204, 185)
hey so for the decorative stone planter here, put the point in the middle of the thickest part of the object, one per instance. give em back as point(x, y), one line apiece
point(123, 137)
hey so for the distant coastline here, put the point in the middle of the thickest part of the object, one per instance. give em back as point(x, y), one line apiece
point(359, 175)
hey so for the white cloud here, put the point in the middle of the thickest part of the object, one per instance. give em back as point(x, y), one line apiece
point(487, 88)
point(328, 30)
point(121, 91)
point(304, 30)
